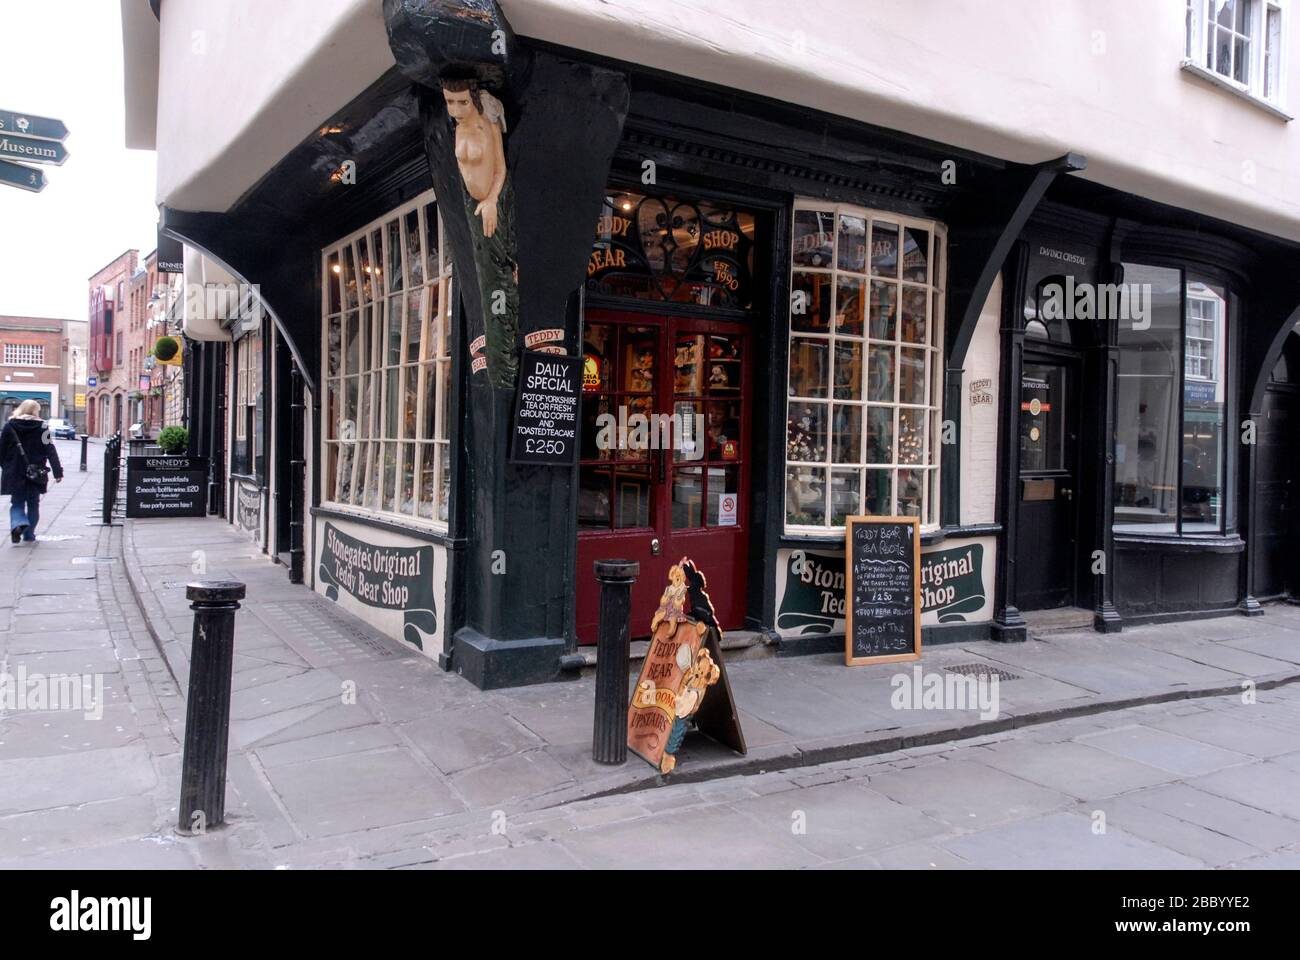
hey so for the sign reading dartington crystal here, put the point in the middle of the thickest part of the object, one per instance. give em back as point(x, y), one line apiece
point(166, 487)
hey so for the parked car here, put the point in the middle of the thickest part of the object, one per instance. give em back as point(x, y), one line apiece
point(62, 429)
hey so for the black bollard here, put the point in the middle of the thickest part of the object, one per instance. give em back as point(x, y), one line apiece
point(609, 738)
point(111, 448)
point(84, 438)
point(207, 712)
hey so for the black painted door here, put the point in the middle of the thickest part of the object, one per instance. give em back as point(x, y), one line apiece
point(1047, 525)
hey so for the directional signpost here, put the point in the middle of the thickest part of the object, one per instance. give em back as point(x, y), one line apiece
point(24, 178)
point(30, 139)
point(29, 126)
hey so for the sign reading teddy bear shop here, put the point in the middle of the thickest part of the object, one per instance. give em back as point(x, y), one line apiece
point(384, 576)
point(955, 580)
point(683, 681)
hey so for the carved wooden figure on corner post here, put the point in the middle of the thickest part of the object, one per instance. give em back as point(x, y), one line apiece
point(490, 210)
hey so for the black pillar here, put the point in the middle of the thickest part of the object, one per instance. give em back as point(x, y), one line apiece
point(1008, 625)
point(563, 122)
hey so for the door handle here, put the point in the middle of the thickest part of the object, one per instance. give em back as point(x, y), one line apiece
point(655, 547)
point(1067, 493)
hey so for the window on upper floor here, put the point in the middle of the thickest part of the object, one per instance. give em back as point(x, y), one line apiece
point(1240, 42)
point(24, 355)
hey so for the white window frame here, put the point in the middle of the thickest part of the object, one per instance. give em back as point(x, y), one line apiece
point(935, 307)
point(24, 355)
point(1215, 322)
point(364, 456)
point(1265, 81)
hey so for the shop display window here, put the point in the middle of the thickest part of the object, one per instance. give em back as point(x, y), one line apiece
point(1172, 394)
point(864, 367)
point(387, 298)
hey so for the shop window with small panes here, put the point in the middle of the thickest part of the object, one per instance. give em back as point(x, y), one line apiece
point(862, 409)
point(387, 302)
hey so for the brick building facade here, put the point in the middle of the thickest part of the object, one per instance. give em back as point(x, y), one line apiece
point(108, 400)
point(32, 360)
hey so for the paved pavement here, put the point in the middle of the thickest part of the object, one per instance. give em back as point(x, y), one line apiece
point(347, 749)
point(1188, 785)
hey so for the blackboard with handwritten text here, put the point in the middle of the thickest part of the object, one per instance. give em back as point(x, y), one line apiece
point(883, 612)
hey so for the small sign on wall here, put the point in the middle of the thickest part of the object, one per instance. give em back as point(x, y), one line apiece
point(383, 576)
point(727, 509)
point(545, 428)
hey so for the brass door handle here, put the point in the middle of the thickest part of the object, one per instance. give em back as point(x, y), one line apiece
point(655, 547)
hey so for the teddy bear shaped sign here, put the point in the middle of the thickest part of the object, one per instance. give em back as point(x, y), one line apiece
point(683, 681)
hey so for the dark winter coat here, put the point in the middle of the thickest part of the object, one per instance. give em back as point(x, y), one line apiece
point(34, 435)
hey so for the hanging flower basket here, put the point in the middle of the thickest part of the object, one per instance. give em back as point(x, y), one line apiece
point(167, 350)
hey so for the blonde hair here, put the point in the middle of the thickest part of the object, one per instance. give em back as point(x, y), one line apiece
point(28, 408)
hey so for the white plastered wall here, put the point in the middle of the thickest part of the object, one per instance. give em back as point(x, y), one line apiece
point(979, 414)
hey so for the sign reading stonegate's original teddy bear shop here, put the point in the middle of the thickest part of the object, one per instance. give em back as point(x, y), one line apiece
point(683, 681)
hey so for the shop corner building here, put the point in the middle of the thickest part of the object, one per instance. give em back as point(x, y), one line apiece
point(1029, 278)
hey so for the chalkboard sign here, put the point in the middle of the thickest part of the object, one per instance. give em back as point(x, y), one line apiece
point(883, 593)
point(545, 428)
point(166, 487)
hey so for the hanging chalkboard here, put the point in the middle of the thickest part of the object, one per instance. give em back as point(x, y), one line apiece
point(883, 590)
point(545, 429)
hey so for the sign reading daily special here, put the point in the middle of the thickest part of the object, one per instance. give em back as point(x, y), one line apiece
point(397, 578)
point(956, 587)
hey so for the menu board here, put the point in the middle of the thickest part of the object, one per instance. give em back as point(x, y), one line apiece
point(883, 612)
point(166, 487)
point(545, 428)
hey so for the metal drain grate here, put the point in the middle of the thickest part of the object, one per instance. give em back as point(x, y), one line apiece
point(981, 670)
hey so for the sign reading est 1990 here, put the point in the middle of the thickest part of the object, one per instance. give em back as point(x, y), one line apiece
point(545, 429)
point(166, 487)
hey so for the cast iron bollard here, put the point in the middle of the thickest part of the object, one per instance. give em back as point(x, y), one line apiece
point(112, 450)
point(207, 712)
point(84, 438)
point(609, 739)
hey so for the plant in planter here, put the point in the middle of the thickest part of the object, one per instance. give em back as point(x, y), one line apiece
point(174, 440)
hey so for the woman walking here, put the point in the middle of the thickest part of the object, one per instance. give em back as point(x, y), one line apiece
point(25, 448)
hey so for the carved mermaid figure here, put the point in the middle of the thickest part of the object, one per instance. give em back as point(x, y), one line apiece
point(489, 206)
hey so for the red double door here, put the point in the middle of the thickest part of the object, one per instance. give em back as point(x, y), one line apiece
point(665, 458)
